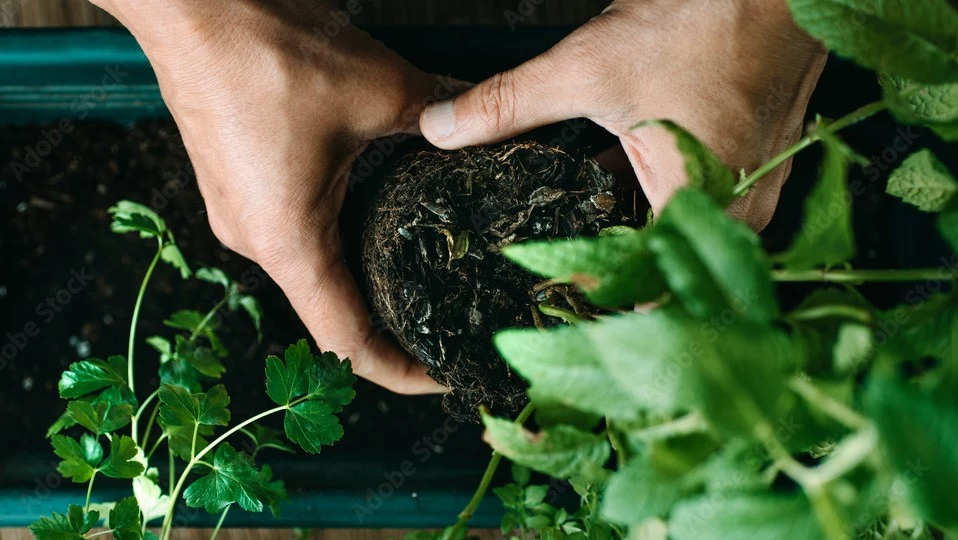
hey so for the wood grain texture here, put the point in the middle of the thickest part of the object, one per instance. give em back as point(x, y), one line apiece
point(274, 534)
point(58, 13)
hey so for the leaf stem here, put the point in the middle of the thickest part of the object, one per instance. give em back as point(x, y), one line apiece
point(89, 491)
point(849, 119)
point(174, 495)
point(827, 404)
point(842, 311)
point(857, 276)
point(490, 471)
point(155, 446)
point(136, 417)
point(136, 313)
point(206, 320)
point(149, 424)
point(219, 524)
point(564, 314)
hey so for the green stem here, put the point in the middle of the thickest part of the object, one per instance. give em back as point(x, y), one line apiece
point(206, 320)
point(490, 471)
point(684, 425)
point(155, 446)
point(136, 417)
point(851, 118)
point(821, 312)
point(89, 491)
point(564, 314)
point(101, 533)
point(149, 424)
point(858, 276)
point(174, 495)
point(172, 470)
point(827, 404)
point(136, 314)
point(219, 524)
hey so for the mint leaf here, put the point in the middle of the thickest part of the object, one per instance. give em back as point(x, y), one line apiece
point(744, 515)
point(853, 347)
point(125, 520)
point(920, 437)
point(687, 276)
point(948, 227)
point(564, 368)
point(826, 237)
point(913, 332)
point(73, 526)
point(728, 249)
point(638, 492)
point(80, 459)
point(559, 451)
point(550, 412)
point(902, 37)
point(90, 375)
point(100, 416)
point(313, 388)
point(122, 461)
point(923, 181)
point(934, 105)
point(614, 270)
point(233, 478)
point(705, 171)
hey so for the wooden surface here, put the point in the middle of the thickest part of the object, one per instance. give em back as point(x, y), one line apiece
point(45, 13)
point(272, 534)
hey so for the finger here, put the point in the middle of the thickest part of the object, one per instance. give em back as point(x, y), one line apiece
point(428, 89)
point(326, 297)
point(532, 95)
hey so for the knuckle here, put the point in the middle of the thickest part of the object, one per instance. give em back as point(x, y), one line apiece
point(497, 101)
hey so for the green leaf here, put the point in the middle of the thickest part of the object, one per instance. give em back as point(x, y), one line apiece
point(162, 346)
point(122, 461)
point(174, 257)
point(129, 216)
point(289, 380)
point(912, 39)
point(559, 451)
point(80, 459)
point(252, 308)
point(687, 276)
point(233, 478)
point(312, 424)
point(189, 320)
point(920, 437)
point(100, 416)
point(564, 368)
point(189, 364)
point(638, 492)
point(91, 375)
point(728, 249)
point(934, 106)
point(215, 276)
point(923, 181)
point(704, 169)
point(520, 474)
point(550, 412)
point(853, 347)
point(274, 491)
point(744, 515)
point(826, 237)
point(150, 497)
point(125, 520)
point(314, 389)
point(73, 526)
point(181, 408)
point(615, 270)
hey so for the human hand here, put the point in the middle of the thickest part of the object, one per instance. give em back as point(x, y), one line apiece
point(273, 111)
point(737, 74)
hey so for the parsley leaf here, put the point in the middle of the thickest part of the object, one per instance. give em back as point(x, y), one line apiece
point(266, 437)
point(100, 416)
point(233, 478)
point(80, 458)
point(313, 388)
point(182, 413)
point(122, 461)
point(73, 526)
point(90, 375)
point(134, 217)
point(125, 520)
point(235, 299)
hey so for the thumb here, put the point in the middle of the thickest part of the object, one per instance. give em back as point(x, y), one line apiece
point(507, 104)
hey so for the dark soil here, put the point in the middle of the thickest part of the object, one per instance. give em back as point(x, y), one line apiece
point(55, 224)
point(434, 271)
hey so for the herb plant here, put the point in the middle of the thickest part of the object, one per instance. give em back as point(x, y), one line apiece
point(186, 410)
point(718, 415)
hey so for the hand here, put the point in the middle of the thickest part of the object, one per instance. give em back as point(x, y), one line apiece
point(738, 74)
point(273, 109)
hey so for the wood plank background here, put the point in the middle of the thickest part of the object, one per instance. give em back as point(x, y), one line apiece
point(47, 13)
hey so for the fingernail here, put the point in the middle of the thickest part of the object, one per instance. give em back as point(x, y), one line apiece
point(439, 120)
